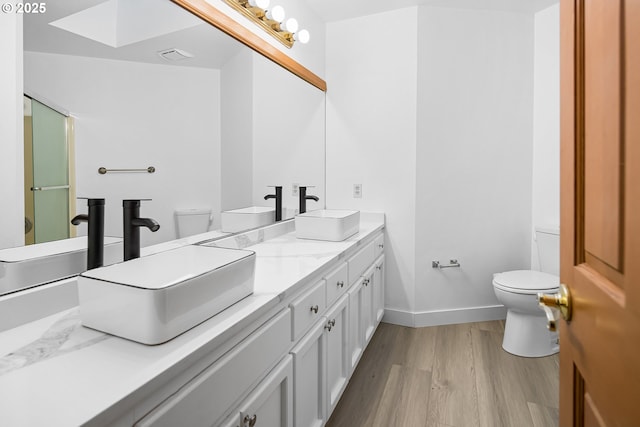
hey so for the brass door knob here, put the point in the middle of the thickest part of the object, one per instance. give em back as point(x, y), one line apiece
point(552, 304)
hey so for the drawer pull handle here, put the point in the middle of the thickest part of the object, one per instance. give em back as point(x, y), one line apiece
point(340, 284)
point(330, 324)
point(250, 421)
point(381, 246)
point(315, 309)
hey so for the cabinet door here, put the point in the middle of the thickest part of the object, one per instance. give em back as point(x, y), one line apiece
point(309, 378)
point(367, 314)
point(378, 289)
point(338, 368)
point(355, 336)
point(271, 403)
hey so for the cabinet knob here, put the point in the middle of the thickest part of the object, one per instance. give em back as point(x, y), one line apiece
point(378, 267)
point(250, 421)
point(381, 246)
point(332, 322)
point(328, 327)
point(366, 282)
point(340, 284)
point(314, 309)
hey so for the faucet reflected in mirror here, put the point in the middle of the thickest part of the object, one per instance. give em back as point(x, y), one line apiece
point(278, 197)
point(95, 236)
point(131, 228)
point(304, 198)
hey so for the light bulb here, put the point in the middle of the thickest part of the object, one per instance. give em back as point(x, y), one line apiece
point(302, 36)
point(262, 4)
point(276, 13)
point(291, 25)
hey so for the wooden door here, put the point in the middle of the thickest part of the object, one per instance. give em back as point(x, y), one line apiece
point(600, 212)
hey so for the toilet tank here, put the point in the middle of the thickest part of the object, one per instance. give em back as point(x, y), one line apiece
point(192, 221)
point(548, 244)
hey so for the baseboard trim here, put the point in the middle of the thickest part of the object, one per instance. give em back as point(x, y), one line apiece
point(444, 317)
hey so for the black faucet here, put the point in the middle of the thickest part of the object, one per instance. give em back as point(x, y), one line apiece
point(304, 198)
point(95, 236)
point(131, 228)
point(278, 197)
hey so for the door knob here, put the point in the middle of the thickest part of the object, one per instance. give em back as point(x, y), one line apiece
point(556, 305)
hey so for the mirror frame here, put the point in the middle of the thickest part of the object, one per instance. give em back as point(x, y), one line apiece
point(239, 32)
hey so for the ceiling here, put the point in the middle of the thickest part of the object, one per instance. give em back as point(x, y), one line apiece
point(337, 10)
point(210, 47)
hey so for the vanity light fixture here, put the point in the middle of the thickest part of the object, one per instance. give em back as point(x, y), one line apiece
point(272, 20)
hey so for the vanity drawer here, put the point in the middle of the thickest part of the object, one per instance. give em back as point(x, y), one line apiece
point(207, 398)
point(337, 282)
point(307, 309)
point(379, 245)
point(360, 261)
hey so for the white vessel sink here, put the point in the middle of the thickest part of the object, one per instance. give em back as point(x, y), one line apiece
point(327, 224)
point(32, 265)
point(155, 298)
point(246, 218)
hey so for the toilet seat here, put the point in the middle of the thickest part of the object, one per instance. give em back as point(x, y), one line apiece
point(526, 282)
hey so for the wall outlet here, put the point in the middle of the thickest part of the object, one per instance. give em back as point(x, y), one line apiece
point(357, 191)
point(294, 189)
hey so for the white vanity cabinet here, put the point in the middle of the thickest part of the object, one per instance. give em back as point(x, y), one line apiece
point(292, 370)
point(271, 403)
point(208, 398)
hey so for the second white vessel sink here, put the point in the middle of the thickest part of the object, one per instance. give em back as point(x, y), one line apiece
point(327, 224)
point(246, 218)
point(155, 298)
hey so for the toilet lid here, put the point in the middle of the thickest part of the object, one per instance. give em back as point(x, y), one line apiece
point(526, 281)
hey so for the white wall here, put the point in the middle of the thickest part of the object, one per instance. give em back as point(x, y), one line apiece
point(371, 132)
point(237, 132)
point(431, 110)
point(11, 132)
point(474, 158)
point(134, 115)
point(546, 122)
point(288, 135)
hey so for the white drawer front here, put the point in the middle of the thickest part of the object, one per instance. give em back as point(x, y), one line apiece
point(360, 261)
point(206, 398)
point(308, 309)
point(337, 283)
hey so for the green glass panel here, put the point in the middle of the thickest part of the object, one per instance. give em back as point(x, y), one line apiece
point(51, 215)
point(50, 169)
point(50, 156)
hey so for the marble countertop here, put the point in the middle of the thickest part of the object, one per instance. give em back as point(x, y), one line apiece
point(55, 372)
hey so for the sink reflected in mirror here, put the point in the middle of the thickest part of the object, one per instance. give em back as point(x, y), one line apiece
point(247, 218)
point(28, 266)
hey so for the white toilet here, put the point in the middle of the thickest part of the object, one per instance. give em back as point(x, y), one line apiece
point(526, 332)
point(192, 221)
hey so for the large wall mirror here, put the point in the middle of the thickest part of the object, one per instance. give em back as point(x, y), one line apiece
point(219, 122)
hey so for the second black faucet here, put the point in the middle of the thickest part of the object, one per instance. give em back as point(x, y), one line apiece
point(131, 223)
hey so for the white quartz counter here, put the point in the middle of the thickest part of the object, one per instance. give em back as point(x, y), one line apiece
point(55, 372)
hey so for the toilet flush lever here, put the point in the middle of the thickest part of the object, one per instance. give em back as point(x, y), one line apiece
point(556, 305)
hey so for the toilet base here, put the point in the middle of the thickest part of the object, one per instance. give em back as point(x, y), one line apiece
point(527, 335)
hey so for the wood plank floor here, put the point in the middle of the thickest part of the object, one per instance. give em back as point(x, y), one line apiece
point(448, 376)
